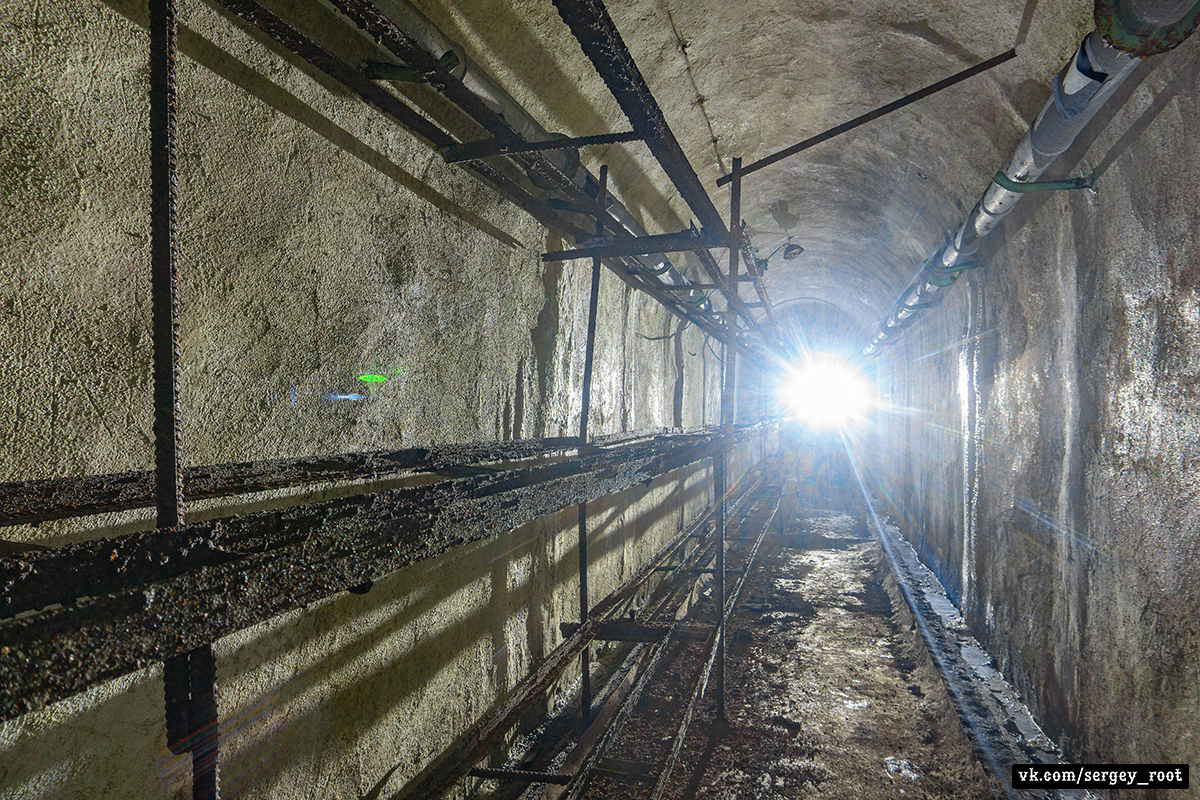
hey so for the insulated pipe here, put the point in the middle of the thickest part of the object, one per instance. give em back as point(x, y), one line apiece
point(1081, 88)
point(421, 30)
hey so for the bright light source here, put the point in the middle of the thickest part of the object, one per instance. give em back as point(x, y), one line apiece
point(825, 393)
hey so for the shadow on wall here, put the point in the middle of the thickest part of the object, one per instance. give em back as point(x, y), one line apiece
point(226, 66)
point(540, 71)
point(338, 692)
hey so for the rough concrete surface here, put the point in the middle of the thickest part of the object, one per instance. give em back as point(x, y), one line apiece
point(318, 242)
point(1040, 449)
point(1046, 468)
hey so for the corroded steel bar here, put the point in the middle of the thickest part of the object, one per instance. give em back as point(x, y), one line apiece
point(625, 631)
point(585, 658)
point(469, 151)
point(520, 775)
point(870, 116)
point(60, 498)
point(84, 613)
point(190, 704)
point(189, 689)
point(593, 302)
point(727, 416)
point(164, 281)
point(602, 44)
point(683, 241)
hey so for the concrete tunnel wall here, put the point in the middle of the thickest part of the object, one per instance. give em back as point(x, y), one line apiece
point(1047, 465)
point(317, 242)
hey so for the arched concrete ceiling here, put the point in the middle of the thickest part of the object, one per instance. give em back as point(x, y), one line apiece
point(749, 78)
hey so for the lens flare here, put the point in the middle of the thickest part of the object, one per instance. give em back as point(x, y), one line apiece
point(825, 392)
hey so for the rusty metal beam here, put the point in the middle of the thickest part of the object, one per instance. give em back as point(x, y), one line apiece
point(25, 502)
point(189, 684)
point(520, 776)
point(625, 631)
point(870, 116)
point(82, 614)
point(164, 280)
point(471, 151)
point(683, 241)
point(602, 44)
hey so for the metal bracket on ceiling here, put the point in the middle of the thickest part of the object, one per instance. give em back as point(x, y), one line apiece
point(486, 148)
point(1007, 183)
point(683, 241)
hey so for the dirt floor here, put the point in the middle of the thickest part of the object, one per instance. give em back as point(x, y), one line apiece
point(827, 695)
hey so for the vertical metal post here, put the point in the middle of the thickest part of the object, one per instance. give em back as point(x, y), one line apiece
point(163, 281)
point(719, 489)
point(585, 657)
point(601, 196)
point(584, 607)
point(189, 683)
point(189, 679)
point(729, 388)
point(727, 376)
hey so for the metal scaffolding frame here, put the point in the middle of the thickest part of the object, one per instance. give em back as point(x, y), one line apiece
point(167, 594)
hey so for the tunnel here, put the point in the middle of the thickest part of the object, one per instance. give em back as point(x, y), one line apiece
point(554, 399)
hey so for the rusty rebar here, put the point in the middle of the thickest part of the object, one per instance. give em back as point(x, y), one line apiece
point(139, 598)
point(164, 280)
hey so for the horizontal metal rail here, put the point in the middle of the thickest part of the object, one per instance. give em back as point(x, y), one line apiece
point(870, 116)
point(471, 151)
point(684, 241)
point(602, 44)
point(24, 502)
point(520, 775)
point(85, 613)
